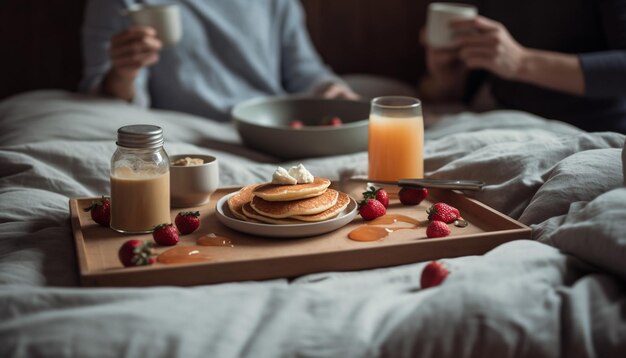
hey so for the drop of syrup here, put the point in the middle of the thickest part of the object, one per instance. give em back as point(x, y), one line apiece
point(214, 240)
point(391, 219)
point(183, 255)
point(381, 227)
point(369, 233)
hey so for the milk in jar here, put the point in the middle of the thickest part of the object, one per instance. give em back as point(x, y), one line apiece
point(140, 180)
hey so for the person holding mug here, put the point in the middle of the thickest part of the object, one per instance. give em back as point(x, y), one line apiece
point(562, 60)
point(227, 52)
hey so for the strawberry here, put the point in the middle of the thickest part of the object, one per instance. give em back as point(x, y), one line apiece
point(331, 121)
point(370, 209)
point(437, 228)
point(100, 211)
point(296, 124)
point(412, 196)
point(443, 212)
point(187, 221)
point(433, 274)
point(335, 122)
point(136, 253)
point(165, 234)
point(383, 197)
point(378, 194)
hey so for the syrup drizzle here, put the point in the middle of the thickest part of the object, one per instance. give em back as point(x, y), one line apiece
point(183, 255)
point(191, 254)
point(214, 240)
point(382, 227)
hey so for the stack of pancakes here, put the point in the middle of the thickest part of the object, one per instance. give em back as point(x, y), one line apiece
point(288, 204)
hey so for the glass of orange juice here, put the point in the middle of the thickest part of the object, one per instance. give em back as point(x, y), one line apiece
point(396, 138)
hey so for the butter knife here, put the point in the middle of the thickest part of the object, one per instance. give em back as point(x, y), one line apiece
point(428, 183)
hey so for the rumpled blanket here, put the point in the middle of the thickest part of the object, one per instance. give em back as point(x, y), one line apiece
point(561, 294)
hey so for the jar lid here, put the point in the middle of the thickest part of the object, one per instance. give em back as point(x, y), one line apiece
point(140, 136)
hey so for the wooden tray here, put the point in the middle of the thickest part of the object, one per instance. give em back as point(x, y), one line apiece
point(259, 258)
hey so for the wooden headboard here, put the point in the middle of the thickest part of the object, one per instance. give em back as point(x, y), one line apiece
point(41, 40)
point(40, 45)
point(369, 36)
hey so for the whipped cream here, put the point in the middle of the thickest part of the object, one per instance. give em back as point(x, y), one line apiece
point(282, 176)
point(302, 175)
point(295, 175)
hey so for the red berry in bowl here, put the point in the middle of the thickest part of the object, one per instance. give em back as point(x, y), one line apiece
point(296, 124)
point(335, 122)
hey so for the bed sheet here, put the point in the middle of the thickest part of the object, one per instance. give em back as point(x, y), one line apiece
point(561, 294)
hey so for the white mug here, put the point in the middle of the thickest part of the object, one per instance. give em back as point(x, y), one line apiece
point(165, 19)
point(439, 33)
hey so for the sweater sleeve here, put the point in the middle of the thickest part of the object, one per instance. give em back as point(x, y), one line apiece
point(103, 19)
point(605, 72)
point(301, 67)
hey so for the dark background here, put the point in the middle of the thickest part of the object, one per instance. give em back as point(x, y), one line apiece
point(40, 40)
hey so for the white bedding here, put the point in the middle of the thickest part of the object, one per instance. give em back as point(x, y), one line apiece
point(561, 294)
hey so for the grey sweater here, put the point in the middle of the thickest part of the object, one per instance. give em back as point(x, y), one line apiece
point(231, 50)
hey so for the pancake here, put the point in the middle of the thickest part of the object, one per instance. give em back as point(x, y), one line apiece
point(253, 215)
point(284, 209)
point(237, 201)
point(279, 192)
point(342, 202)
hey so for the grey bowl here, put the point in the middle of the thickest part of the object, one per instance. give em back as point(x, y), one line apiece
point(263, 124)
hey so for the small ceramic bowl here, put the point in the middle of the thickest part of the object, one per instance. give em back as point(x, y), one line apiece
point(193, 185)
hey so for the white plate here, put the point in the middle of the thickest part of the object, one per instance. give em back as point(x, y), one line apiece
point(283, 230)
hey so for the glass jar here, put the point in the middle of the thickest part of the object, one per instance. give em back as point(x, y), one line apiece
point(140, 180)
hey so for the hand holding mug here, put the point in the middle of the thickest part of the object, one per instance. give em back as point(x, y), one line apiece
point(488, 45)
point(445, 69)
point(442, 62)
point(439, 33)
point(133, 49)
point(152, 28)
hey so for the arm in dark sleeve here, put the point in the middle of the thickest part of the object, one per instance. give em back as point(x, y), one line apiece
point(605, 72)
point(301, 67)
